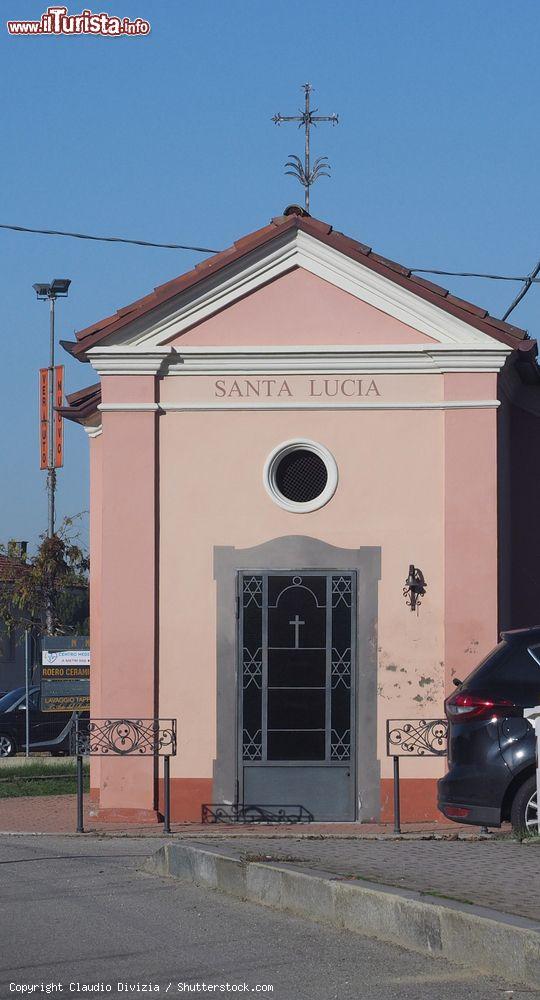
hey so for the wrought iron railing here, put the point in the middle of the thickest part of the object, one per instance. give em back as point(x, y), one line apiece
point(141, 738)
point(413, 738)
point(235, 812)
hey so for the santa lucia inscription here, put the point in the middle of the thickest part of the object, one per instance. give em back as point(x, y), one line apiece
point(281, 388)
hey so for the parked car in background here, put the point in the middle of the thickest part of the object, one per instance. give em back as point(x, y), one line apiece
point(491, 745)
point(48, 730)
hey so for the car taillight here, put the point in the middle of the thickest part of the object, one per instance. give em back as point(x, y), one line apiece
point(456, 812)
point(476, 706)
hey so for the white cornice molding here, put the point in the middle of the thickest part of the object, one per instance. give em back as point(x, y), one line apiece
point(93, 426)
point(287, 251)
point(407, 360)
point(127, 361)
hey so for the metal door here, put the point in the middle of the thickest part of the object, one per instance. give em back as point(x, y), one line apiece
point(296, 684)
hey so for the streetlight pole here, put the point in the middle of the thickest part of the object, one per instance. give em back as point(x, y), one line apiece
point(51, 471)
point(51, 291)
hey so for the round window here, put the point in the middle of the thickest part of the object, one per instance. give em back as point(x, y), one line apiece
point(300, 475)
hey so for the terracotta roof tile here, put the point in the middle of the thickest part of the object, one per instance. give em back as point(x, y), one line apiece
point(468, 306)
point(467, 311)
point(391, 264)
point(499, 324)
point(429, 285)
point(81, 404)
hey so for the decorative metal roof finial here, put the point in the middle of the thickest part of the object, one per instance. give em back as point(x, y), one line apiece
point(303, 171)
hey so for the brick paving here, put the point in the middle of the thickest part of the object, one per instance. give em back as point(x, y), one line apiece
point(57, 814)
point(500, 874)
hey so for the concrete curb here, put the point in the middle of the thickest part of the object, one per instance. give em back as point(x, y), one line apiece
point(495, 943)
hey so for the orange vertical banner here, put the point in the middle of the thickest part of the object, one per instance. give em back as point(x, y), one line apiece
point(43, 418)
point(58, 418)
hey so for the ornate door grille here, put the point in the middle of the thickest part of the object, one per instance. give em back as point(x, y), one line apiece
point(297, 666)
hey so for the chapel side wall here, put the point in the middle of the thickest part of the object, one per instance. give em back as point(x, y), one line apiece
point(470, 525)
point(524, 463)
point(504, 511)
point(128, 648)
point(96, 542)
point(390, 495)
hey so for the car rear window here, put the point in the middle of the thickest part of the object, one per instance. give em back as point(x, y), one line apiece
point(510, 670)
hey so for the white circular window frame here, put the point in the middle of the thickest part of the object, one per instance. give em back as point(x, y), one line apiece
point(270, 469)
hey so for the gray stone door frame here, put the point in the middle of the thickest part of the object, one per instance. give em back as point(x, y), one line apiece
point(291, 553)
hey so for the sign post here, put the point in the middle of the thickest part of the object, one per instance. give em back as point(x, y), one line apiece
point(27, 640)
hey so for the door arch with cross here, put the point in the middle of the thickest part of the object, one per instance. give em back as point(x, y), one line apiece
point(296, 712)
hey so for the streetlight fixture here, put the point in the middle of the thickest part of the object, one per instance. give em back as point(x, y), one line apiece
point(54, 290)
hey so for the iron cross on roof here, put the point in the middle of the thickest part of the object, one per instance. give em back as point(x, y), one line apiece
point(321, 166)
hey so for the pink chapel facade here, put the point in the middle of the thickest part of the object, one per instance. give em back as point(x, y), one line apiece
point(275, 438)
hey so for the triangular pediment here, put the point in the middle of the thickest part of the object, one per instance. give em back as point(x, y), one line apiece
point(368, 302)
point(297, 287)
point(302, 309)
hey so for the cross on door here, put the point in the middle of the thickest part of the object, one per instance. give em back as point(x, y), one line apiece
point(296, 622)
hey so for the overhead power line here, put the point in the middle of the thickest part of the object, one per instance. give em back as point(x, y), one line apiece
point(530, 280)
point(469, 274)
point(107, 239)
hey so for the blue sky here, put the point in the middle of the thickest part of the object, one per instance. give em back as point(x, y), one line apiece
point(168, 137)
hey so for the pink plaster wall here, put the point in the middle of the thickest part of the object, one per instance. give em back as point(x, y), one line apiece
point(390, 494)
point(127, 685)
point(299, 308)
point(419, 483)
point(270, 388)
point(96, 516)
point(470, 522)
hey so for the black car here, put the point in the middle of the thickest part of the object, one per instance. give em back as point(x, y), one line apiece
point(48, 730)
point(491, 744)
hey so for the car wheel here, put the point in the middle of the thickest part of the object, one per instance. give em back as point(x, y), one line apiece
point(7, 746)
point(524, 814)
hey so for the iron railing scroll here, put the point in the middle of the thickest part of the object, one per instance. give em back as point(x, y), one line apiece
point(124, 738)
point(237, 812)
point(413, 738)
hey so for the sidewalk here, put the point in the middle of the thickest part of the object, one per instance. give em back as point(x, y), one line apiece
point(57, 814)
point(501, 874)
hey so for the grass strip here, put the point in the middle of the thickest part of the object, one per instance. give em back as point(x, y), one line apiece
point(27, 780)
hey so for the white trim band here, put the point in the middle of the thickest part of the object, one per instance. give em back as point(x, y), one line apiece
point(448, 404)
point(128, 407)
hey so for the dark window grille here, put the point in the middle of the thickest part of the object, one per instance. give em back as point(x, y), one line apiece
point(297, 667)
point(301, 475)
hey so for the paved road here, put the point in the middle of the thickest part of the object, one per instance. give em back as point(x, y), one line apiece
point(80, 911)
point(495, 873)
